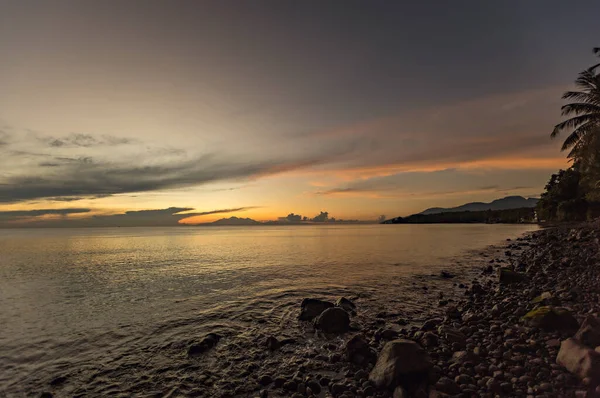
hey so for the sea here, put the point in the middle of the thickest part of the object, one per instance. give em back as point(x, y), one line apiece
point(110, 311)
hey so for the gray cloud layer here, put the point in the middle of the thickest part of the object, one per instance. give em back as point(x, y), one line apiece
point(134, 218)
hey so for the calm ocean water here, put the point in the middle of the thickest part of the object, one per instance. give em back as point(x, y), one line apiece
point(110, 309)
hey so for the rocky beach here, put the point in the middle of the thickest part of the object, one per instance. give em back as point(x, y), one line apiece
point(513, 320)
point(522, 324)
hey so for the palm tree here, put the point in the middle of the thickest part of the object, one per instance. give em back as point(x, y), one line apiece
point(584, 112)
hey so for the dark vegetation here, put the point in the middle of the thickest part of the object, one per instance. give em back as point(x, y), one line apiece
point(509, 216)
point(574, 194)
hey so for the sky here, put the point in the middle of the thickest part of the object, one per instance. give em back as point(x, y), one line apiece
point(186, 112)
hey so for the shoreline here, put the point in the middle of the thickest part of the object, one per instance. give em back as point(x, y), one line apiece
point(470, 328)
point(482, 346)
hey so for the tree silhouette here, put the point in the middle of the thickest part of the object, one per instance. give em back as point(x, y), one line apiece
point(584, 113)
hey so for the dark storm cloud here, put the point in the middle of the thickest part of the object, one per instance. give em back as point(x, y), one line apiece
point(89, 178)
point(41, 212)
point(133, 218)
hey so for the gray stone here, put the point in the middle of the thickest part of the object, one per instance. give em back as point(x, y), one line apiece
point(400, 361)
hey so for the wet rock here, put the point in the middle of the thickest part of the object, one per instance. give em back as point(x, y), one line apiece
point(272, 343)
point(359, 352)
point(506, 276)
point(208, 342)
point(400, 392)
point(401, 362)
point(447, 386)
point(551, 319)
point(446, 275)
point(464, 357)
point(578, 359)
point(333, 320)
point(57, 381)
point(589, 332)
point(310, 308)
point(314, 386)
point(452, 335)
point(346, 305)
point(290, 385)
point(545, 298)
point(431, 324)
point(429, 339)
point(388, 334)
point(338, 389)
point(265, 380)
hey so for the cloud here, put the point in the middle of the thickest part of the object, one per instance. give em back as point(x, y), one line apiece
point(134, 218)
point(42, 212)
point(16, 217)
point(76, 166)
point(84, 140)
point(444, 182)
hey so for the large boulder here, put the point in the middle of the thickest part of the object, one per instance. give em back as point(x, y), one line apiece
point(400, 363)
point(580, 360)
point(333, 320)
point(507, 276)
point(589, 332)
point(359, 352)
point(551, 319)
point(310, 308)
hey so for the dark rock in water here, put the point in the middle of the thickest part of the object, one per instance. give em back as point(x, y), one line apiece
point(506, 276)
point(346, 305)
point(551, 319)
point(58, 381)
point(580, 360)
point(311, 308)
point(208, 342)
point(333, 320)
point(446, 275)
point(272, 343)
point(589, 332)
point(46, 394)
point(359, 352)
point(401, 362)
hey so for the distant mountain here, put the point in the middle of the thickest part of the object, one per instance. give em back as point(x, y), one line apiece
point(510, 202)
point(235, 221)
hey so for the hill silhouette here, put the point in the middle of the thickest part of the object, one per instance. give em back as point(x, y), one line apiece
point(509, 202)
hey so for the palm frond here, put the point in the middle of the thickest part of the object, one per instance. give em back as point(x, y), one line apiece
point(582, 97)
point(579, 108)
point(588, 80)
point(574, 122)
point(579, 134)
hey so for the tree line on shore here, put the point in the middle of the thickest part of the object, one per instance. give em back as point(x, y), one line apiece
point(574, 194)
